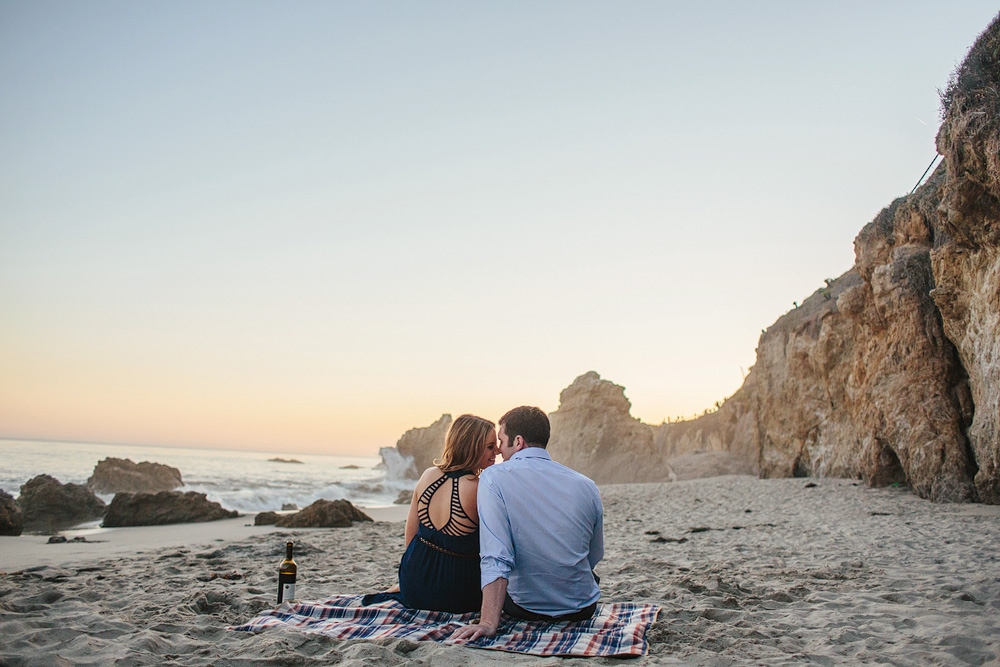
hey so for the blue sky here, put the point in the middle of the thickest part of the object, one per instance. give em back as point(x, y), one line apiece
point(310, 226)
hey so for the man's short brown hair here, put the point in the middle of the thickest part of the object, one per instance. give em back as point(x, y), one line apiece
point(529, 422)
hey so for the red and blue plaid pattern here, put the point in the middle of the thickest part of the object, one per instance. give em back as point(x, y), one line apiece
point(616, 629)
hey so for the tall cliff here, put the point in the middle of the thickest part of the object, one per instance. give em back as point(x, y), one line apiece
point(892, 372)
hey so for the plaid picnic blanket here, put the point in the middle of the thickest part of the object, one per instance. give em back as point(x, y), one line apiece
point(616, 629)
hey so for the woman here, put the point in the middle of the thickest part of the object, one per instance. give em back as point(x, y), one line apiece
point(440, 567)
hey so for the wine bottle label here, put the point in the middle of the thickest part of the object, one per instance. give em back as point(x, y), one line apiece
point(288, 592)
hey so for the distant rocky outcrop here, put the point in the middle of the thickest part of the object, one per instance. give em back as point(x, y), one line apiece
point(48, 505)
point(125, 476)
point(278, 459)
point(165, 507)
point(11, 520)
point(420, 446)
point(324, 514)
point(594, 433)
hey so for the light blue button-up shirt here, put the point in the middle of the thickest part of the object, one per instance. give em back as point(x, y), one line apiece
point(541, 527)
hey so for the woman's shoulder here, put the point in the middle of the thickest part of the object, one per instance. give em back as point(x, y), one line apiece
point(431, 473)
point(428, 477)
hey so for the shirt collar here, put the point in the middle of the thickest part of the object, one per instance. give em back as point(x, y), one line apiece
point(532, 453)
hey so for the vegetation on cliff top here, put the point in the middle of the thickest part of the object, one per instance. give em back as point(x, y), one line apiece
point(976, 82)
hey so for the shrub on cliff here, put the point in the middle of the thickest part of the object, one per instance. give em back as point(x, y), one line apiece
point(976, 82)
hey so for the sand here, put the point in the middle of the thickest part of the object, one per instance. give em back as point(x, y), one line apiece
point(748, 572)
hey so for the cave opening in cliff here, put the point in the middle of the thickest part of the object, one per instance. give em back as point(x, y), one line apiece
point(888, 469)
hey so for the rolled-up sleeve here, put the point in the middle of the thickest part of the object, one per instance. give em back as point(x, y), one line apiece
point(496, 545)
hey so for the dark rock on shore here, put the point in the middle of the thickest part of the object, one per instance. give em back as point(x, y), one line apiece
point(11, 519)
point(156, 509)
point(266, 519)
point(324, 514)
point(48, 505)
point(403, 498)
point(125, 476)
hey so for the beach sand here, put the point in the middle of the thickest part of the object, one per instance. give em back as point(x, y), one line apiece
point(747, 571)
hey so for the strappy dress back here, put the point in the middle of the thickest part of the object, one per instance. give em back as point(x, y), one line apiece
point(459, 523)
point(440, 568)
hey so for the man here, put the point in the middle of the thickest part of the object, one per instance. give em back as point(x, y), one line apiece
point(541, 531)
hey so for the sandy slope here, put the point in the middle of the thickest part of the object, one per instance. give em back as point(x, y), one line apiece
point(831, 574)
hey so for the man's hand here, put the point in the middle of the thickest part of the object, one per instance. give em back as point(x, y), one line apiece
point(489, 620)
point(473, 632)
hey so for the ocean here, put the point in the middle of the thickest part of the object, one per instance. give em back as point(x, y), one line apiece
point(244, 481)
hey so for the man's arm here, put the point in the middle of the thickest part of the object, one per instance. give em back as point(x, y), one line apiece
point(489, 617)
point(597, 539)
point(496, 558)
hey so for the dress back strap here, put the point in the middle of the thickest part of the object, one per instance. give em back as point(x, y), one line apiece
point(459, 522)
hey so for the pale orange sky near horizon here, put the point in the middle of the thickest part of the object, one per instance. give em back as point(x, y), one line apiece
point(311, 227)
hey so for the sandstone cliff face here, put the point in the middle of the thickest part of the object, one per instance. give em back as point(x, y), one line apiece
point(796, 390)
point(423, 445)
point(966, 255)
point(909, 398)
point(895, 377)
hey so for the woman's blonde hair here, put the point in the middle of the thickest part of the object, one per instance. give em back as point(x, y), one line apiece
point(464, 444)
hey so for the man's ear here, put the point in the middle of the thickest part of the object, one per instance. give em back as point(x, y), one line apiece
point(518, 443)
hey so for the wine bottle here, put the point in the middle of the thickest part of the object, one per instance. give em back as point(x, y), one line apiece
point(286, 576)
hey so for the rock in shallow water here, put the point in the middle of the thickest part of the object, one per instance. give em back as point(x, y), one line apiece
point(156, 509)
point(48, 505)
point(125, 476)
point(324, 514)
point(266, 519)
point(11, 520)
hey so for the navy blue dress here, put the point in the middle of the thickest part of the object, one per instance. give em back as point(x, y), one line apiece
point(440, 567)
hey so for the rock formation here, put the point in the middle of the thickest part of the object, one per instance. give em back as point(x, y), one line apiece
point(421, 446)
point(266, 519)
point(165, 507)
point(11, 520)
point(125, 476)
point(594, 433)
point(324, 514)
point(966, 250)
point(48, 505)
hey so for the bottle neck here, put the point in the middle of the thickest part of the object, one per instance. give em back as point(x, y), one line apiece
point(288, 551)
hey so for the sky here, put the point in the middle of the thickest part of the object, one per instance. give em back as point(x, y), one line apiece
point(311, 226)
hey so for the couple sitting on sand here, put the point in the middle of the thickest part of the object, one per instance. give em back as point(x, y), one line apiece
point(522, 537)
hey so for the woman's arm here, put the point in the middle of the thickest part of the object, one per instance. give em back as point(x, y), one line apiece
point(411, 520)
